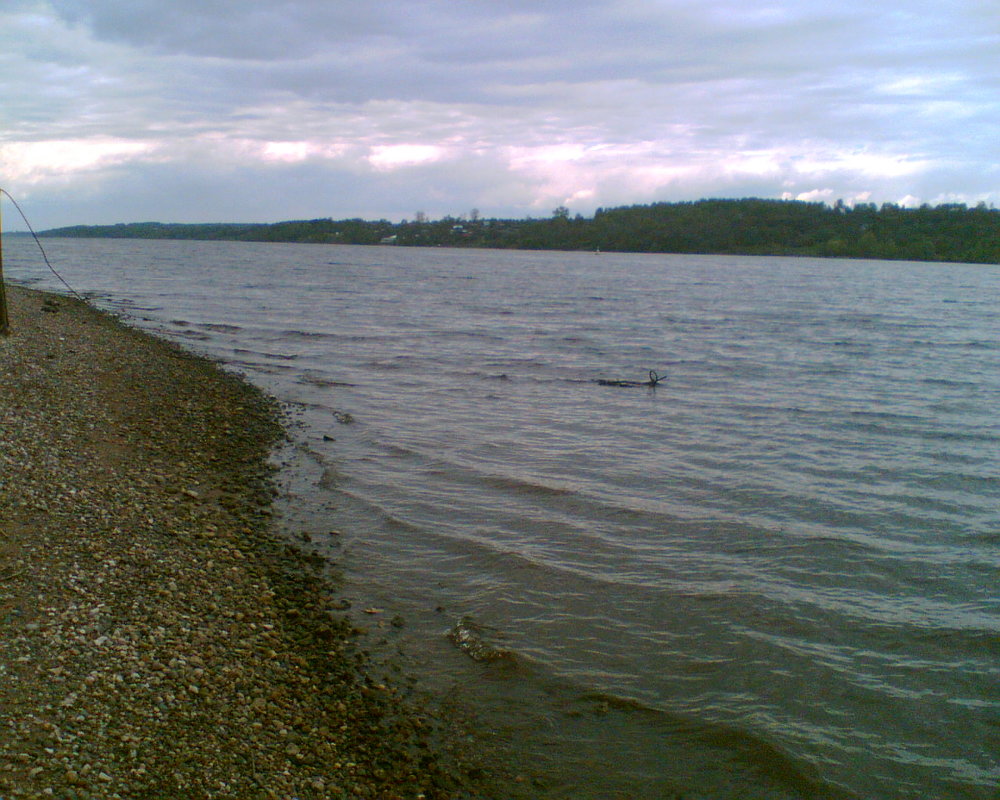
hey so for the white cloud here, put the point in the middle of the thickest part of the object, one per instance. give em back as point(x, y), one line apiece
point(812, 196)
point(506, 105)
point(872, 165)
point(394, 156)
point(289, 152)
point(35, 162)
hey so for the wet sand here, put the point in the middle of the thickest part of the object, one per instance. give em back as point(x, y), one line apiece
point(157, 638)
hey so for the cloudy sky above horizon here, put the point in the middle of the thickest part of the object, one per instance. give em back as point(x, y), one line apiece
point(212, 110)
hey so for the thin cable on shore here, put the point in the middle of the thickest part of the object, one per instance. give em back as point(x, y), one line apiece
point(41, 249)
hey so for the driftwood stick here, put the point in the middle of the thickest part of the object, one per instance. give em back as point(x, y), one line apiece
point(654, 379)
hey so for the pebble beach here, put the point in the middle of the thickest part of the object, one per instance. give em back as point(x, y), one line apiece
point(158, 639)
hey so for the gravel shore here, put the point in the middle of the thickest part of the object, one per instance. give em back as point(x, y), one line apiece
point(157, 640)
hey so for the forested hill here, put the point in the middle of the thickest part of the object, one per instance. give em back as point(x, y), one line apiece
point(749, 227)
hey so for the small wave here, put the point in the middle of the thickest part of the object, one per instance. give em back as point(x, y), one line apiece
point(886, 415)
point(218, 327)
point(983, 537)
point(256, 366)
point(323, 383)
point(763, 759)
point(263, 354)
point(297, 334)
point(131, 305)
point(974, 646)
point(949, 382)
point(955, 458)
point(531, 488)
point(471, 334)
point(393, 364)
point(961, 436)
point(885, 427)
point(473, 639)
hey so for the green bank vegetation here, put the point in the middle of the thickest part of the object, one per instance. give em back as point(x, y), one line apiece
point(952, 232)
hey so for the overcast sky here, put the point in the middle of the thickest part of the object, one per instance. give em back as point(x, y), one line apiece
point(266, 110)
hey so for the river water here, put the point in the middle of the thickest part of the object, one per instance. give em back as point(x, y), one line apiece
point(773, 575)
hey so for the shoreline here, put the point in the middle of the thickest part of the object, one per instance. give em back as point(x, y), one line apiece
point(158, 638)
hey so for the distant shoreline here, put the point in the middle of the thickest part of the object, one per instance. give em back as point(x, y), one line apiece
point(752, 227)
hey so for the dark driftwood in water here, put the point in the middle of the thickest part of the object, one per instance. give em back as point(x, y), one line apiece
point(653, 380)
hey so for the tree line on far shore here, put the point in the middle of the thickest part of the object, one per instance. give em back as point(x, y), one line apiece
point(951, 232)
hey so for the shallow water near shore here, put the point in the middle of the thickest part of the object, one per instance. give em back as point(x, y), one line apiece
point(773, 575)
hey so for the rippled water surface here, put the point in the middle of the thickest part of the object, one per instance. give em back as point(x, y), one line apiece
point(773, 575)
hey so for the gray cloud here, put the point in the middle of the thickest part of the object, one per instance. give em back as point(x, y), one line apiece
point(512, 107)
